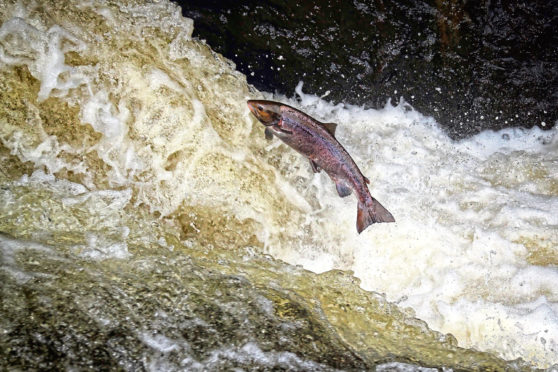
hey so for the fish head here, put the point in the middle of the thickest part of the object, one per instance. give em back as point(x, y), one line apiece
point(267, 112)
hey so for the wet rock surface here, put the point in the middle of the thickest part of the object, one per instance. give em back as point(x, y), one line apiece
point(470, 65)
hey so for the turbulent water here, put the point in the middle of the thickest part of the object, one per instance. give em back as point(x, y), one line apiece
point(146, 223)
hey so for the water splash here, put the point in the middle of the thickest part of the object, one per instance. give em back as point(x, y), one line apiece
point(137, 188)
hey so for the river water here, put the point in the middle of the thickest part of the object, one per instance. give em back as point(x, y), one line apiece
point(146, 223)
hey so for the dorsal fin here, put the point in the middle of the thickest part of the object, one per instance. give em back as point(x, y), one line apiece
point(330, 127)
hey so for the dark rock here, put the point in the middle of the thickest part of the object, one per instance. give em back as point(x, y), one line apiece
point(472, 65)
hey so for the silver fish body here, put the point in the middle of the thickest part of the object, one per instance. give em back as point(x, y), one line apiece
point(317, 142)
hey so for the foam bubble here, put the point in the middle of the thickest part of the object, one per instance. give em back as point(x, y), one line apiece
point(403, 367)
point(159, 342)
point(100, 247)
point(43, 53)
point(10, 247)
point(509, 140)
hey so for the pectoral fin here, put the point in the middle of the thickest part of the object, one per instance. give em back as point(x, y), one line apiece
point(342, 188)
point(268, 134)
point(315, 167)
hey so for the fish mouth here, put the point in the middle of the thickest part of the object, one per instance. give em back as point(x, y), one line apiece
point(256, 113)
point(266, 114)
point(252, 108)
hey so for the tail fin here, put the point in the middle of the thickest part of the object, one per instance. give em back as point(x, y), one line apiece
point(370, 213)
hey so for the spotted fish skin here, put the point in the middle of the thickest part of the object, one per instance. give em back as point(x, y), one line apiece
point(316, 141)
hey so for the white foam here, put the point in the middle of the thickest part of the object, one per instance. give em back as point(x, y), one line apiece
point(508, 140)
point(248, 354)
point(9, 262)
point(404, 367)
point(43, 52)
point(251, 354)
point(159, 342)
point(25, 40)
point(71, 207)
point(101, 247)
point(463, 210)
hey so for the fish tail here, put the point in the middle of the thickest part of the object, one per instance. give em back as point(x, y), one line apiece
point(371, 212)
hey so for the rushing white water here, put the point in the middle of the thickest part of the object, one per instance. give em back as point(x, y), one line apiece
point(469, 216)
point(161, 123)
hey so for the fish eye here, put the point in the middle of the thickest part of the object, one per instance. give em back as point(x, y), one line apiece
point(260, 108)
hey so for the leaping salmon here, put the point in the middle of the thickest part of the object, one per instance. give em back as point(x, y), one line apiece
point(317, 142)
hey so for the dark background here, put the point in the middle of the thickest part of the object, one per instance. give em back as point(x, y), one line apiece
point(472, 65)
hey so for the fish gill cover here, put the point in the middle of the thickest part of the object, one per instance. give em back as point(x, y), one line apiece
point(139, 201)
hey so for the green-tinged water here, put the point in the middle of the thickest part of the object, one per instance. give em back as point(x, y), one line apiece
point(140, 206)
point(88, 284)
